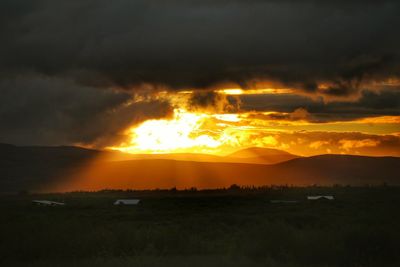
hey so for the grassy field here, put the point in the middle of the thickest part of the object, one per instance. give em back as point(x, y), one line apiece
point(236, 227)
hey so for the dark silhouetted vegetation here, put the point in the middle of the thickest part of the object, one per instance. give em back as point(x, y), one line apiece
point(232, 227)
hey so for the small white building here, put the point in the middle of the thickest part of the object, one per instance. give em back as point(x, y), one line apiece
point(127, 202)
point(48, 203)
point(320, 198)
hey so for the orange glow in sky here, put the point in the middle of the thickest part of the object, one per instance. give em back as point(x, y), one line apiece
point(182, 132)
point(220, 134)
point(185, 132)
point(238, 91)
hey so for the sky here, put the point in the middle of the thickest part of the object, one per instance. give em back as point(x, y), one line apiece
point(308, 77)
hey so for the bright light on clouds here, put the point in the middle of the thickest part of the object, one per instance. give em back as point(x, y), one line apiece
point(180, 133)
point(298, 132)
point(237, 91)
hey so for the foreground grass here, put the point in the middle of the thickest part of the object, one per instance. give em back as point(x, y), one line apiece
point(207, 228)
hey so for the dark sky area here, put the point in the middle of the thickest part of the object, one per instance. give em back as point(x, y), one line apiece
point(68, 69)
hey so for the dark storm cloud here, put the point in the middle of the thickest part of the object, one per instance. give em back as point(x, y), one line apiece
point(60, 61)
point(370, 104)
point(49, 111)
point(213, 101)
point(197, 44)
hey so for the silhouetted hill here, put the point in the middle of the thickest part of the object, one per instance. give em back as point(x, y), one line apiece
point(27, 167)
point(262, 155)
point(322, 170)
point(72, 168)
point(33, 166)
point(257, 151)
point(342, 169)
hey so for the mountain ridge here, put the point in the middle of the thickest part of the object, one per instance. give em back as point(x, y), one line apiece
point(82, 169)
point(334, 169)
point(251, 151)
point(113, 155)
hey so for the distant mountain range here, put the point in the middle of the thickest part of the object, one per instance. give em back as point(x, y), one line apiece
point(73, 168)
point(255, 155)
point(261, 155)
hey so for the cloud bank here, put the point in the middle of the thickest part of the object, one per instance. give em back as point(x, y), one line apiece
point(197, 44)
point(69, 70)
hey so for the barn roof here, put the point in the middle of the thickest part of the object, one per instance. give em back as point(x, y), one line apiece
point(320, 197)
point(48, 202)
point(127, 201)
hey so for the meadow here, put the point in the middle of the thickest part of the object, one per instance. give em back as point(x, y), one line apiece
point(227, 227)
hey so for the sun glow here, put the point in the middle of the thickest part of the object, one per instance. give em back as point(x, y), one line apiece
point(238, 91)
point(180, 134)
point(223, 133)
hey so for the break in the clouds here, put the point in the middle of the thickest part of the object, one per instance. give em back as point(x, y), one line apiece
point(197, 44)
point(70, 70)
